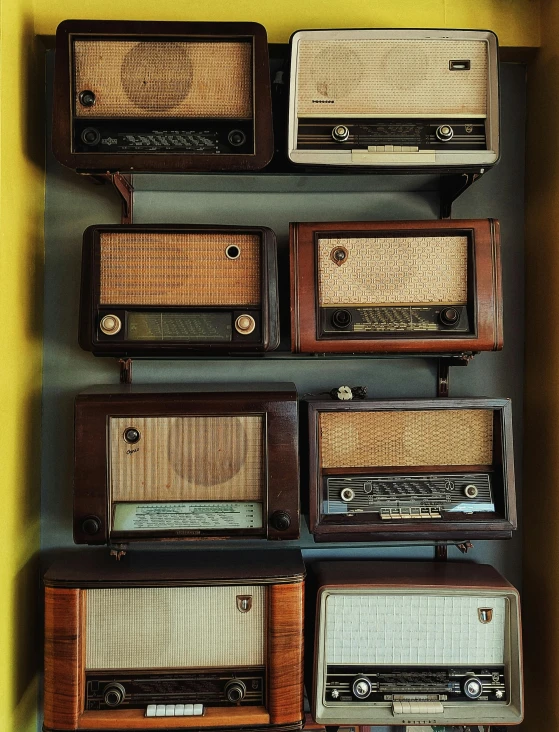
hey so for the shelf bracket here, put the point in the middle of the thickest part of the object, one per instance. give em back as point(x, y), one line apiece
point(125, 370)
point(125, 190)
point(452, 186)
point(443, 371)
point(465, 546)
point(441, 552)
point(118, 551)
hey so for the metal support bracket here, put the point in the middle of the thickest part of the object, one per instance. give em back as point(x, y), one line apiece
point(443, 371)
point(125, 370)
point(441, 553)
point(452, 186)
point(118, 551)
point(125, 189)
point(465, 546)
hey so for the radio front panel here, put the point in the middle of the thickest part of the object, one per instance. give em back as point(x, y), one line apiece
point(175, 290)
point(421, 469)
point(141, 96)
point(402, 99)
point(396, 287)
point(201, 464)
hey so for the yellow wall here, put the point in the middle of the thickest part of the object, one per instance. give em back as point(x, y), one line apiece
point(21, 252)
point(21, 209)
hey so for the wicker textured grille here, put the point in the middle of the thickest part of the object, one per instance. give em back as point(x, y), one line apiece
point(413, 629)
point(406, 438)
point(187, 458)
point(179, 269)
point(174, 627)
point(164, 79)
point(396, 270)
point(391, 77)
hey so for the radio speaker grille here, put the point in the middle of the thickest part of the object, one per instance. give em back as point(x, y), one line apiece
point(406, 438)
point(179, 269)
point(187, 458)
point(164, 79)
point(394, 270)
point(413, 629)
point(391, 77)
point(174, 627)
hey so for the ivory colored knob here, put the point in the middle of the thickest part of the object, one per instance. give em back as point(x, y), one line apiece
point(245, 324)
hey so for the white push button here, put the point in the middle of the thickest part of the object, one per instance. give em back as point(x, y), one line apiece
point(188, 710)
point(160, 710)
point(198, 710)
point(150, 711)
point(169, 710)
point(179, 710)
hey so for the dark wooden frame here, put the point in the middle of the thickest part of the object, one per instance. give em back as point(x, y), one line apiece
point(65, 617)
point(90, 285)
point(161, 162)
point(484, 289)
point(342, 527)
point(278, 402)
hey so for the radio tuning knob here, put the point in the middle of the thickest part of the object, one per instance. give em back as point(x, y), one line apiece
point(340, 133)
point(361, 687)
point(444, 133)
point(472, 687)
point(471, 491)
point(87, 98)
point(110, 324)
point(113, 694)
point(235, 691)
point(449, 316)
point(245, 324)
point(335, 693)
point(347, 495)
point(499, 694)
point(91, 525)
point(131, 435)
point(341, 319)
point(90, 136)
point(280, 520)
point(237, 138)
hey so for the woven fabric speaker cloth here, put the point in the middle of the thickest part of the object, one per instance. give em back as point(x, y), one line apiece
point(414, 629)
point(418, 270)
point(406, 438)
point(158, 268)
point(187, 458)
point(163, 79)
point(391, 77)
point(174, 627)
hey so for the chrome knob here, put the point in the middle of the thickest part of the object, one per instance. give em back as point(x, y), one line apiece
point(347, 494)
point(113, 694)
point(340, 133)
point(471, 491)
point(235, 691)
point(472, 687)
point(444, 133)
point(245, 324)
point(335, 693)
point(361, 687)
point(110, 324)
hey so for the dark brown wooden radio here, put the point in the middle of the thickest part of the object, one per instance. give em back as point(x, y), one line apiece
point(396, 286)
point(170, 290)
point(162, 96)
point(436, 469)
point(175, 462)
point(174, 641)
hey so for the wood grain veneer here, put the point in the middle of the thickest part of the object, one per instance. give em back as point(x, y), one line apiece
point(214, 717)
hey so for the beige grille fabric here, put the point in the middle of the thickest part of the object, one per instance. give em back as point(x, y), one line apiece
point(406, 438)
point(390, 77)
point(179, 269)
point(419, 270)
point(164, 79)
point(187, 458)
point(174, 627)
point(413, 629)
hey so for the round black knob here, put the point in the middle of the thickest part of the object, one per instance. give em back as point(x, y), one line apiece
point(131, 435)
point(87, 98)
point(444, 133)
point(90, 136)
point(361, 687)
point(91, 525)
point(280, 520)
point(341, 319)
point(237, 138)
point(449, 316)
point(113, 694)
point(340, 133)
point(235, 691)
point(472, 687)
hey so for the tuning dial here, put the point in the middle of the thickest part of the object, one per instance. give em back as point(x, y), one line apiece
point(472, 687)
point(449, 316)
point(113, 694)
point(245, 324)
point(361, 687)
point(471, 491)
point(444, 133)
point(341, 319)
point(347, 495)
point(131, 435)
point(235, 691)
point(110, 324)
point(91, 525)
point(280, 520)
point(237, 138)
point(90, 136)
point(340, 133)
point(87, 98)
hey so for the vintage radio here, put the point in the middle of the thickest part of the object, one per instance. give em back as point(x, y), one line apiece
point(173, 641)
point(396, 286)
point(172, 290)
point(414, 469)
point(162, 96)
point(394, 98)
point(172, 462)
point(420, 643)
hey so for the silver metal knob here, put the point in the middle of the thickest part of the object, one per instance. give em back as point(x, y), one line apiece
point(235, 690)
point(110, 324)
point(444, 133)
point(471, 491)
point(499, 694)
point(361, 687)
point(245, 324)
point(473, 688)
point(113, 694)
point(335, 694)
point(340, 133)
point(347, 495)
